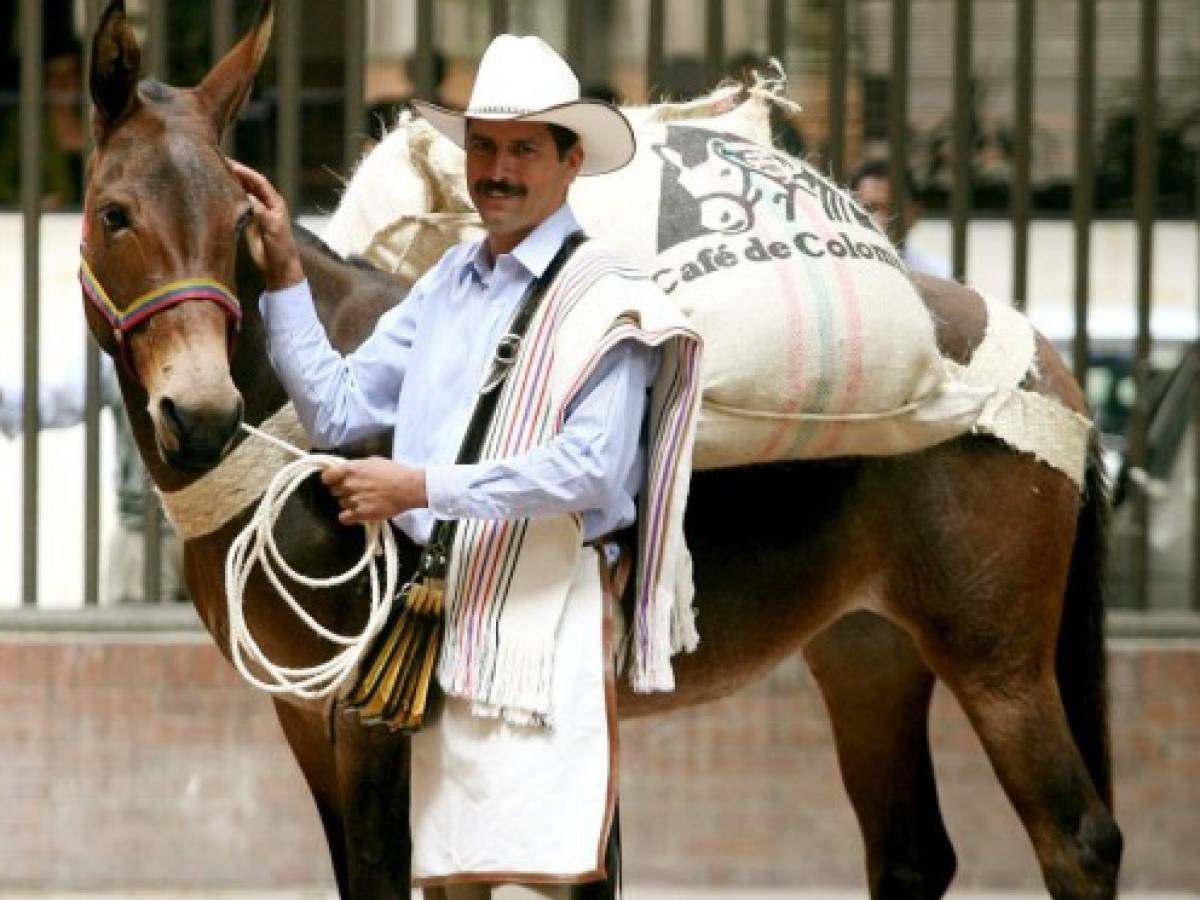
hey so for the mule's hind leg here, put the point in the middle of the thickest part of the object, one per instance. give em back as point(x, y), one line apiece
point(877, 690)
point(1020, 720)
point(987, 582)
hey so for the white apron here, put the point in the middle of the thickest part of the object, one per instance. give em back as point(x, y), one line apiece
point(497, 802)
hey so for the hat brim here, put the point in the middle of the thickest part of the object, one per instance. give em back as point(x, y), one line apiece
point(604, 132)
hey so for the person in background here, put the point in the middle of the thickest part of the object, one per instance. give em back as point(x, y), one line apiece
point(872, 184)
point(63, 127)
point(61, 405)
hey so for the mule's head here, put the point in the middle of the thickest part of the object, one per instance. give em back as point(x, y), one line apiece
point(162, 218)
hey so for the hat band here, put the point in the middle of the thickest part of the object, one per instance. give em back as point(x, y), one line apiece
point(503, 110)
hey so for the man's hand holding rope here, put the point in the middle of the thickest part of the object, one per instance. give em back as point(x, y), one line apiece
point(375, 488)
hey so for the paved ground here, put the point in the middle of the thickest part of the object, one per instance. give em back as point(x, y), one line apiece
point(631, 893)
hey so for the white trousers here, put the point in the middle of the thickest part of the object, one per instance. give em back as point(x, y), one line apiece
point(495, 803)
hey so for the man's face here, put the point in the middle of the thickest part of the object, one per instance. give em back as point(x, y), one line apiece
point(516, 178)
point(875, 194)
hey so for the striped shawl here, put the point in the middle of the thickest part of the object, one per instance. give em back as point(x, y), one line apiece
point(509, 579)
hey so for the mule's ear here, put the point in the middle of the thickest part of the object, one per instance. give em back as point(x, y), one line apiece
point(116, 62)
point(224, 90)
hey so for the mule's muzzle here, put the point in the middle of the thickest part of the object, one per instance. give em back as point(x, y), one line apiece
point(196, 437)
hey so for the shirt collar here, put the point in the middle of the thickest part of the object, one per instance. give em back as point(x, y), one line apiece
point(535, 252)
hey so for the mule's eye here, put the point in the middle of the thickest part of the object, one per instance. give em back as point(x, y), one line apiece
point(115, 218)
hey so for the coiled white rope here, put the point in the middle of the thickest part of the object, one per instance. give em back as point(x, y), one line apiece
point(255, 545)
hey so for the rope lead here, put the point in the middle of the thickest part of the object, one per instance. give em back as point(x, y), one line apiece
point(255, 546)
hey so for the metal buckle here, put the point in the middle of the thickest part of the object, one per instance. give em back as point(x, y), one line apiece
point(506, 349)
point(506, 354)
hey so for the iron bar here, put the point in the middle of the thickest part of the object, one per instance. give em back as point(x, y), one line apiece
point(1085, 181)
point(221, 12)
point(1145, 181)
point(576, 37)
point(158, 41)
point(777, 30)
point(655, 49)
point(423, 53)
point(714, 41)
point(1022, 126)
point(960, 191)
point(287, 60)
point(898, 117)
point(157, 29)
point(498, 17)
point(32, 120)
point(354, 69)
point(1196, 422)
point(838, 73)
point(151, 543)
point(91, 472)
point(91, 374)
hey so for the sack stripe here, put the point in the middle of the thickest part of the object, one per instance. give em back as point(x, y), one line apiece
point(851, 355)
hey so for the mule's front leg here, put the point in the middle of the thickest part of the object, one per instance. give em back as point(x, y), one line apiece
point(373, 771)
point(877, 690)
point(308, 739)
point(359, 781)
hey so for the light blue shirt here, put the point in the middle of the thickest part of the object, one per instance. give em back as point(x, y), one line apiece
point(419, 372)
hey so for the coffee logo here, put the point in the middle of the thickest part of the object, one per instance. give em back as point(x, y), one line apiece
point(714, 183)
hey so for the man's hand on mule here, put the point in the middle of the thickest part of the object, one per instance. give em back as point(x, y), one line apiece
point(269, 234)
point(375, 488)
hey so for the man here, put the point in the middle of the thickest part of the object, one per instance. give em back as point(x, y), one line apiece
point(513, 785)
point(871, 182)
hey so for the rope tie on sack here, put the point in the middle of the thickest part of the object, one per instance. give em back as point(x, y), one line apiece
point(255, 546)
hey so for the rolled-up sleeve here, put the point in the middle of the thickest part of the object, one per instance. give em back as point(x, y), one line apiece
point(338, 398)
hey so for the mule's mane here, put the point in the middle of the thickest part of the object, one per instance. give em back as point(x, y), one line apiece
point(361, 263)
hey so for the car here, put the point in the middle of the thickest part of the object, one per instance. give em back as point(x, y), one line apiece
point(1168, 480)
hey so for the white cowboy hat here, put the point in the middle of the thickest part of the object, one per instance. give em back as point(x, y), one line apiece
point(522, 78)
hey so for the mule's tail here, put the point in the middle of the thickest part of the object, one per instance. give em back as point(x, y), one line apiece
point(1080, 656)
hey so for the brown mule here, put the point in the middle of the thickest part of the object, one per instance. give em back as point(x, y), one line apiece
point(887, 573)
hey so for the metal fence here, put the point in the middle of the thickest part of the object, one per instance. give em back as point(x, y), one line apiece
point(837, 25)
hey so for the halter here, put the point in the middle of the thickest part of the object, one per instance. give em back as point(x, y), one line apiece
point(155, 301)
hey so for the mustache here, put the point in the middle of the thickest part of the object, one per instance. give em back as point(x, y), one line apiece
point(499, 188)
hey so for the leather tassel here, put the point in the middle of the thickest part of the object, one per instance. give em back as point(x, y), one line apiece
point(397, 674)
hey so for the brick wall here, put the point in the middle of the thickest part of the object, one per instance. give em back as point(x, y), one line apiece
point(145, 762)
